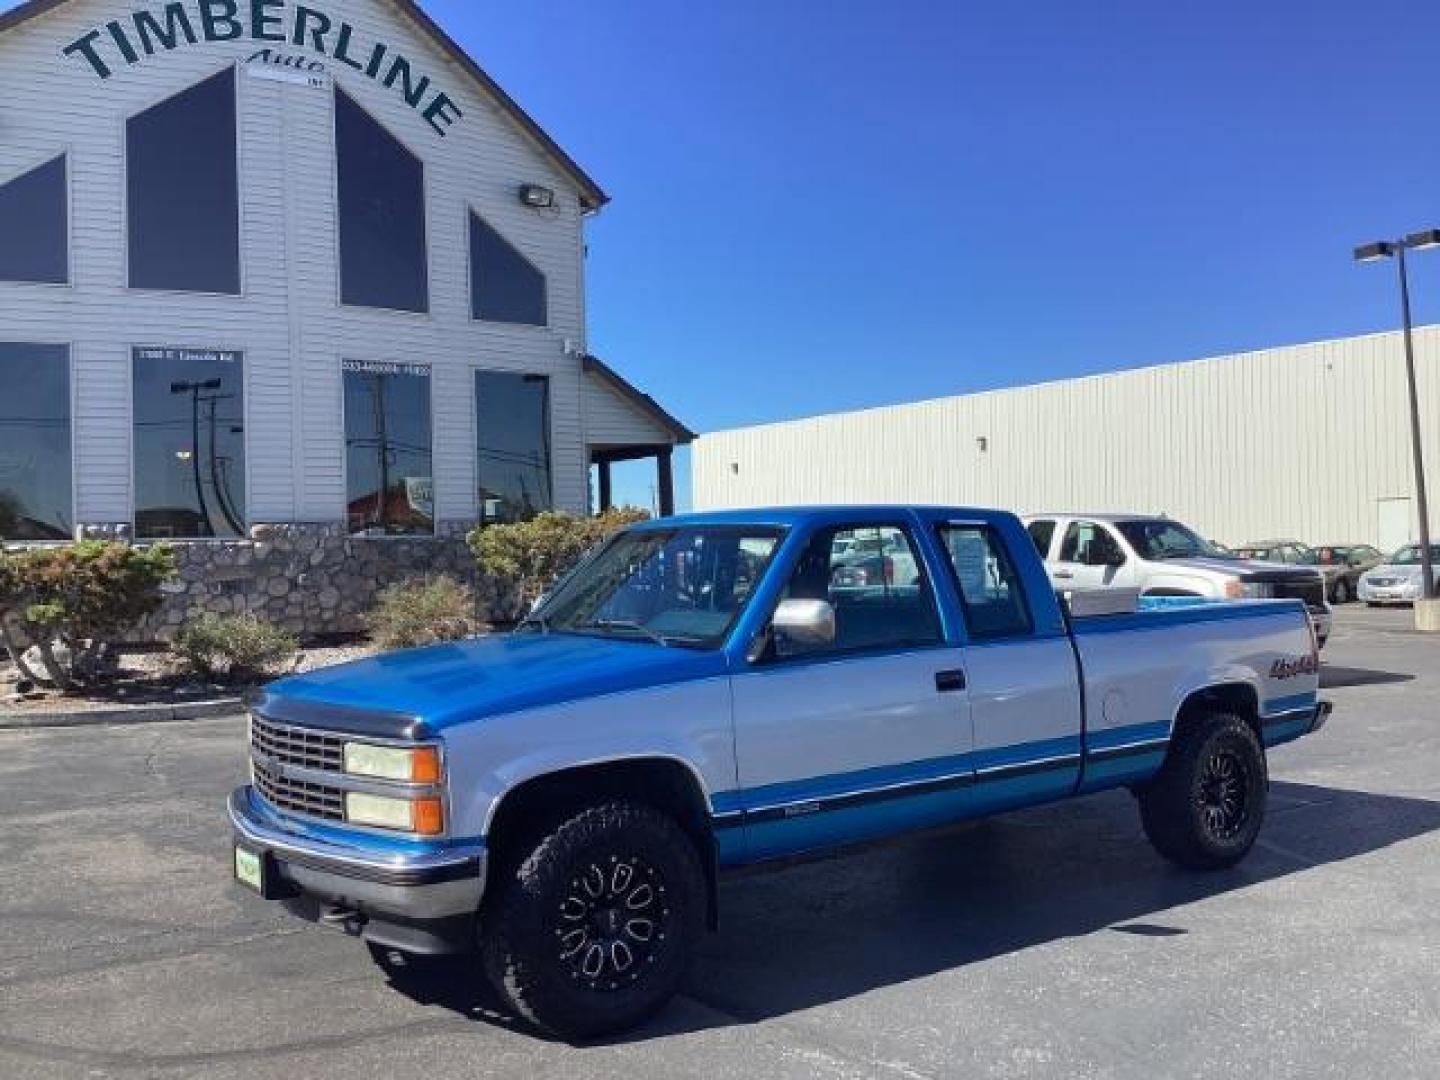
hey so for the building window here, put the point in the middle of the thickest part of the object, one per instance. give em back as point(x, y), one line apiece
point(35, 443)
point(389, 486)
point(189, 443)
point(183, 193)
point(34, 220)
point(382, 214)
point(512, 445)
point(504, 285)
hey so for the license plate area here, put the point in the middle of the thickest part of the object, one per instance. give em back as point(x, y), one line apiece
point(250, 869)
point(260, 873)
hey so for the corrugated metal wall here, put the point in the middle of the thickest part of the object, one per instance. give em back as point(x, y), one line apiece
point(1305, 441)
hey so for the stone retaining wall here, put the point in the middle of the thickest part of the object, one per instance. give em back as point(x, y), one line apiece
point(311, 579)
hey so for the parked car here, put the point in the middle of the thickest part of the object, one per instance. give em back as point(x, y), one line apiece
point(565, 797)
point(1294, 553)
point(1398, 579)
point(1161, 557)
point(1343, 565)
point(872, 557)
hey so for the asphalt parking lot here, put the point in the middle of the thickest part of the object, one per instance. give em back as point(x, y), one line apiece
point(1050, 943)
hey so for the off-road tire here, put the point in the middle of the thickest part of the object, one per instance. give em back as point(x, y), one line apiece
point(1204, 809)
point(527, 924)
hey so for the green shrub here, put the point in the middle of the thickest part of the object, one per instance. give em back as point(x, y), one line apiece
point(241, 648)
point(423, 611)
point(82, 598)
point(534, 553)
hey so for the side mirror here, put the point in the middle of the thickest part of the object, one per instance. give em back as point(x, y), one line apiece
point(806, 622)
point(1116, 559)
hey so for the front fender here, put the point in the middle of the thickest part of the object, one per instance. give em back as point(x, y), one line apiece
point(688, 723)
point(1182, 584)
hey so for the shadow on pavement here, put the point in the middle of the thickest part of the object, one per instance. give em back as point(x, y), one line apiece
point(1332, 677)
point(818, 932)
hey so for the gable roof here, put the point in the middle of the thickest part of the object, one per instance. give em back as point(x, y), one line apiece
point(592, 196)
point(647, 405)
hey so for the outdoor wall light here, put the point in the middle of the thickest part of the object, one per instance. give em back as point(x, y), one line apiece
point(537, 197)
point(982, 443)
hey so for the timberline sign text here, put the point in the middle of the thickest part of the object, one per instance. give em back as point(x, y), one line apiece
point(163, 28)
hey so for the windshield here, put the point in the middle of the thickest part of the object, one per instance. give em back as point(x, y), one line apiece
point(682, 586)
point(1410, 556)
point(1166, 540)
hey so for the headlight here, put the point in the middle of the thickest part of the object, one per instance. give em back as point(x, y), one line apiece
point(425, 817)
point(413, 765)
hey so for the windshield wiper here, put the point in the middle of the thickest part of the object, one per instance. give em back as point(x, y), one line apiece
point(627, 624)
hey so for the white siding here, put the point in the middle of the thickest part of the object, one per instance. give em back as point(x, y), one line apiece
point(610, 420)
point(288, 323)
point(1293, 442)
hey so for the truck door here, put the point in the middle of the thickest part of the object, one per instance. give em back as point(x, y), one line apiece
point(1024, 684)
point(867, 734)
point(1090, 557)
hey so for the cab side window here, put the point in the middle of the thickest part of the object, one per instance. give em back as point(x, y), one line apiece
point(875, 580)
point(1091, 545)
point(990, 589)
point(1041, 533)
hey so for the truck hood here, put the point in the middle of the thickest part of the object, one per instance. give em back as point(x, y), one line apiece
point(1245, 569)
point(452, 683)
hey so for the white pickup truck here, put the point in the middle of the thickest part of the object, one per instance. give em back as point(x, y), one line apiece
point(717, 690)
point(1160, 557)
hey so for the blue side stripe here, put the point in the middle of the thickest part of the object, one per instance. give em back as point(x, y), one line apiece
point(883, 776)
point(1293, 703)
point(1106, 738)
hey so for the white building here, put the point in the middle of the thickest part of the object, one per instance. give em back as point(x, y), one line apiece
point(1310, 442)
point(292, 272)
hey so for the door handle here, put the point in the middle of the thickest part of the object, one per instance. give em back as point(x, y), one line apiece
point(1065, 573)
point(947, 681)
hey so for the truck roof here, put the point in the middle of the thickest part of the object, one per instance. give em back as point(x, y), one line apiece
point(1110, 519)
point(800, 515)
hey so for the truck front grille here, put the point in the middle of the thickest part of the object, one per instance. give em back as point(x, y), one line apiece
point(306, 749)
point(298, 796)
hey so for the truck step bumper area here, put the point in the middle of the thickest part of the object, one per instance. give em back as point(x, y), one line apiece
point(392, 895)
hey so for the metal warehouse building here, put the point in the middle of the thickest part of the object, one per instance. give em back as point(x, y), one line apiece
point(295, 285)
point(1309, 441)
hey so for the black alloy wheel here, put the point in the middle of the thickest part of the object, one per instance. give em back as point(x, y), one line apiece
point(1204, 808)
point(586, 930)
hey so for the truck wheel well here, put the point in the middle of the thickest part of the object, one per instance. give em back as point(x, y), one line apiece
point(1237, 698)
point(529, 809)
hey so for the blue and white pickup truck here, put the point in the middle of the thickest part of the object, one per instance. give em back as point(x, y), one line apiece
point(709, 691)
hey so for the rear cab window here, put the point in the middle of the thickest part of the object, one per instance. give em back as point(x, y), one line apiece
point(991, 595)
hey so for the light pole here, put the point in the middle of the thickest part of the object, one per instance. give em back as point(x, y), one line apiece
point(1386, 249)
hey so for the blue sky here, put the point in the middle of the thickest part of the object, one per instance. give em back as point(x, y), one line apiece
point(829, 204)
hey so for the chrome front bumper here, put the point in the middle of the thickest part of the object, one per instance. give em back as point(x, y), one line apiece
point(412, 887)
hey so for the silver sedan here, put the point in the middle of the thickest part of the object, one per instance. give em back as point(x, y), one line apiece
point(1398, 579)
